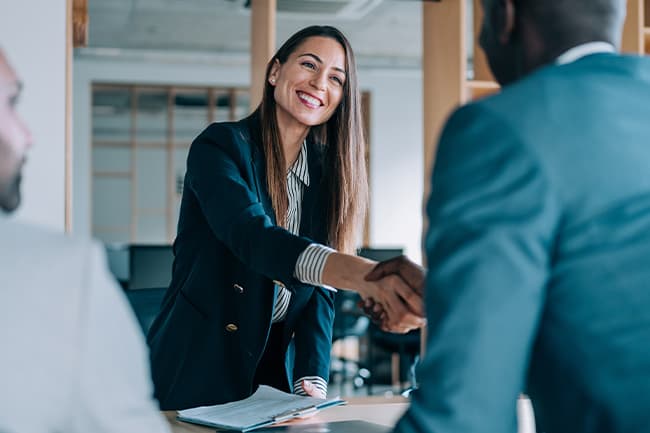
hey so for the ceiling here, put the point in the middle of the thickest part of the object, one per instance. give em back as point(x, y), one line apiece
point(389, 32)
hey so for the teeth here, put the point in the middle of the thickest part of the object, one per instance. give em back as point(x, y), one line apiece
point(310, 100)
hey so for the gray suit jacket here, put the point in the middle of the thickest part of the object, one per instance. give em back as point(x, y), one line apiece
point(539, 256)
point(72, 358)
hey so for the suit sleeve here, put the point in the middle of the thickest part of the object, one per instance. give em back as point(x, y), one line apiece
point(114, 390)
point(492, 215)
point(313, 337)
point(232, 208)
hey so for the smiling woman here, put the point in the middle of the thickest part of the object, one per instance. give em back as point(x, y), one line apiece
point(267, 202)
point(312, 82)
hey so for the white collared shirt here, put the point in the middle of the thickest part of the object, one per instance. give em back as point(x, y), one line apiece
point(583, 50)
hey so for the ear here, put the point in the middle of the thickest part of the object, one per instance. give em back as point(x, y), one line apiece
point(506, 20)
point(274, 73)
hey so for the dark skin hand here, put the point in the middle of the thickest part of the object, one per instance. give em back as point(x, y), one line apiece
point(410, 272)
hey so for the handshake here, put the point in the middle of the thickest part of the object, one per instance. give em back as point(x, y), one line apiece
point(396, 304)
point(391, 290)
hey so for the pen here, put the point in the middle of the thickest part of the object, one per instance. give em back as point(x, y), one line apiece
point(295, 414)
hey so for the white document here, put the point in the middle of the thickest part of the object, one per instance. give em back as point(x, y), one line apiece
point(265, 407)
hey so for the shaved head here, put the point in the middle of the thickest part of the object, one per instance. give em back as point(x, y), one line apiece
point(519, 36)
point(569, 22)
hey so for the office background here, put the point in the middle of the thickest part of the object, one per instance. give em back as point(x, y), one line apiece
point(58, 97)
point(393, 82)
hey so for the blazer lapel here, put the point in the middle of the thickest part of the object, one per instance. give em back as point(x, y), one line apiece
point(258, 164)
point(311, 223)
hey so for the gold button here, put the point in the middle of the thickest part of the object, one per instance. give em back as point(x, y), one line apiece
point(238, 288)
point(231, 327)
point(279, 284)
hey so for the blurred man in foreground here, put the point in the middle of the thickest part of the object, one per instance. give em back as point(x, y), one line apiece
point(73, 359)
point(539, 233)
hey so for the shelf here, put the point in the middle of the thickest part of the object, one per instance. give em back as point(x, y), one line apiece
point(478, 89)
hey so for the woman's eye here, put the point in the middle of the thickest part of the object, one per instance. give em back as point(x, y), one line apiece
point(337, 80)
point(309, 65)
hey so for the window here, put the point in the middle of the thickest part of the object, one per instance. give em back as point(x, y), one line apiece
point(140, 139)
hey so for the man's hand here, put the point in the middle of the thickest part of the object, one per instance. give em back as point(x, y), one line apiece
point(402, 304)
point(411, 274)
point(372, 309)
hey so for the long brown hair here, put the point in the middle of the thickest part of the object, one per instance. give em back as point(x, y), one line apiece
point(344, 174)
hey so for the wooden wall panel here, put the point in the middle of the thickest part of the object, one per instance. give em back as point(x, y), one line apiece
point(481, 67)
point(444, 69)
point(262, 45)
point(633, 41)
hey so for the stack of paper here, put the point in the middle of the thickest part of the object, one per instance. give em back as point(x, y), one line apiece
point(265, 407)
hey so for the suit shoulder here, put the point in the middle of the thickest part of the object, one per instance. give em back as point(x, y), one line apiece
point(519, 106)
point(37, 258)
point(495, 120)
point(223, 129)
point(513, 98)
point(555, 87)
point(231, 137)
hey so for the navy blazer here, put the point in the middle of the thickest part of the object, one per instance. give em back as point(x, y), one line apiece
point(216, 315)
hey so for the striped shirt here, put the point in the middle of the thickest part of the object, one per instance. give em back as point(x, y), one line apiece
point(309, 267)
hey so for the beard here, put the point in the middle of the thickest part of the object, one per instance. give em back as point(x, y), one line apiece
point(10, 193)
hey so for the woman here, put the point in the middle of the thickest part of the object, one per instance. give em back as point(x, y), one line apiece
point(263, 198)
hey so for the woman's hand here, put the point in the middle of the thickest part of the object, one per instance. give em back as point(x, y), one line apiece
point(312, 390)
point(402, 304)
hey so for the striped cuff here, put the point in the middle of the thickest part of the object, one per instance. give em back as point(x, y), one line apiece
point(281, 306)
point(310, 264)
point(317, 381)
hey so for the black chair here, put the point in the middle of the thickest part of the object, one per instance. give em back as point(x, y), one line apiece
point(380, 254)
point(403, 348)
point(146, 305)
point(117, 256)
point(349, 321)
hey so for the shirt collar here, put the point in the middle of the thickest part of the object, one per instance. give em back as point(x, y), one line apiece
point(300, 168)
point(582, 50)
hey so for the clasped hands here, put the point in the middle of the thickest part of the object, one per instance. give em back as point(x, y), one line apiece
point(396, 304)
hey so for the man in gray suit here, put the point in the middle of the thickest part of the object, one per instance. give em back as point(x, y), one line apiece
point(73, 358)
point(539, 233)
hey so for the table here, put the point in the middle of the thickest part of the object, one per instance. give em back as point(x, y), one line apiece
point(380, 410)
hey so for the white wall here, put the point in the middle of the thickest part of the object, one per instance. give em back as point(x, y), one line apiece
point(397, 158)
point(396, 150)
point(32, 34)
